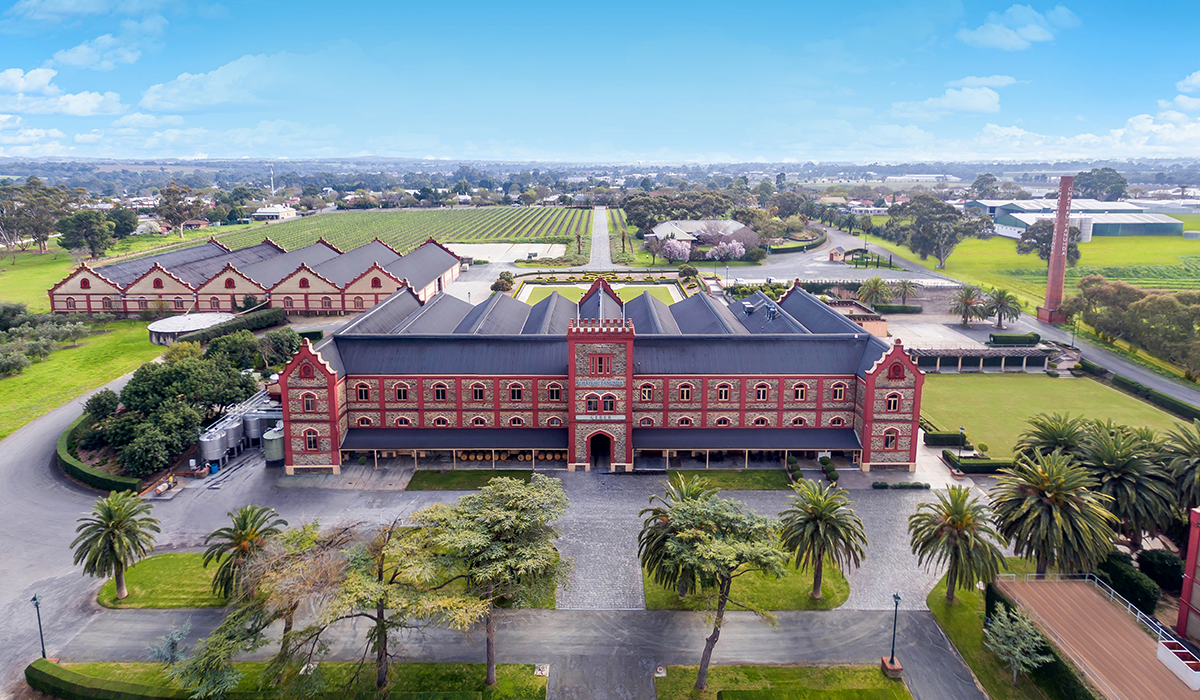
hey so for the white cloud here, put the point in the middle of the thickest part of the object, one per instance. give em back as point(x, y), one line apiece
point(1019, 27)
point(91, 137)
point(9, 121)
point(81, 104)
point(232, 82)
point(36, 80)
point(1190, 83)
point(106, 51)
point(59, 10)
point(139, 120)
point(976, 100)
point(1181, 102)
point(992, 81)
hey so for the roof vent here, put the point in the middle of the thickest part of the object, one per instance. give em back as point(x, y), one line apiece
point(748, 307)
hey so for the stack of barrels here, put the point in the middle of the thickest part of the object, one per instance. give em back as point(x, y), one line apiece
point(512, 456)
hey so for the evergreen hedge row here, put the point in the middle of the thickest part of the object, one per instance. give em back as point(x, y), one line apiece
point(898, 308)
point(82, 472)
point(253, 321)
point(314, 336)
point(1092, 368)
point(974, 465)
point(1170, 403)
point(955, 439)
point(1132, 585)
point(1014, 339)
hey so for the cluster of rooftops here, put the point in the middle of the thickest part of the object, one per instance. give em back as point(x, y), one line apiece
point(799, 334)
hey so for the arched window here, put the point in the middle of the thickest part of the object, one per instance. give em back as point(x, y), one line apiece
point(287, 302)
point(479, 421)
point(439, 392)
point(311, 440)
point(106, 303)
point(723, 422)
point(85, 283)
point(70, 303)
point(364, 392)
point(891, 438)
point(214, 303)
point(893, 403)
point(142, 303)
point(478, 392)
point(303, 283)
point(723, 392)
point(593, 403)
point(685, 422)
point(797, 421)
point(839, 392)
point(402, 422)
point(896, 371)
point(364, 422)
point(358, 302)
point(515, 393)
point(401, 392)
point(837, 422)
point(554, 422)
point(326, 303)
point(158, 283)
point(761, 392)
point(554, 392)
point(799, 392)
point(760, 421)
point(306, 372)
point(646, 422)
point(178, 303)
point(608, 403)
point(516, 421)
point(376, 283)
point(441, 422)
point(230, 283)
point(310, 402)
point(685, 392)
point(647, 392)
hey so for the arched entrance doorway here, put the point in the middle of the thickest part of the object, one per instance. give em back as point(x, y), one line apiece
point(600, 451)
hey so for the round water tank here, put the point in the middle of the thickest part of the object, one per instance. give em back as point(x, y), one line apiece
point(252, 425)
point(212, 446)
point(273, 445)
point(233, 434)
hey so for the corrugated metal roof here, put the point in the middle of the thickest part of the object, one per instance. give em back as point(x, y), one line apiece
point(745, 439)
point(385, 316)
point(455, 439)
point(816, 315)
point(701, 314)
point(499, 315)
point(750, 354)
point(344, 268)
point(453, 354)
point(198, 272)
point(441, 314)
point(268, 273)
point(650, 316)
point(550, 315)
point(597, 303)
point(125, 272)
point(1030, 219)
point(423, 265)
point(761, 315)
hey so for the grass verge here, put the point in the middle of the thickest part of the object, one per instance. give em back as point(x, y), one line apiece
point(513, 681)
point(790, 682)
point(176, 580)
point(573, 293)
point(71, 372)
point(739, 479)
point(792, 591)
point(462, 479)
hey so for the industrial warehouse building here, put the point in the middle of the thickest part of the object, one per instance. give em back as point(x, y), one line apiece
point(602, 384)
point(1091, 216)
point(315, 279)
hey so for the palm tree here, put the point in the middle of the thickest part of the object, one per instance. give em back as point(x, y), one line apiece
point(904, 289)
point(1046, 510)
point(1047, 433)
point(1004, 305)
point(956, 531)
point(819, 522)
point(969, 303)
point(874, 291)
point(114, 537)
point(675, 491)
point(232, 546)
point(1182, 454)
point(1123, 465)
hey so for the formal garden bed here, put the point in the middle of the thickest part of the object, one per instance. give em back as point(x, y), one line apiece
point(792, 591)
point(177, 580)
point(781, 683)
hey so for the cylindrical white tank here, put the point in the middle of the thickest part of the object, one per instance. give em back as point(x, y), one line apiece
point(273, 445)
point(233, 433)
point(252, 425)
point(212, 446)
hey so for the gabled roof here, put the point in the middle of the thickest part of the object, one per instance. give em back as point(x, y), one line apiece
point(814, 314)
point(499, 315)
point(453, 354)
point(761, 315)
point(125, 272)
point(304, 269)
point(348, 266)
point(650, 316)
point(424, 265)
point(385, 316)
point(600, 301)
point(157, 269)
point(198, 272)
point(271, 272)
point(701, 314)
point(83, 267)
point(550, 315)
point(229, 267)
point(752, 354)
point(441, 314)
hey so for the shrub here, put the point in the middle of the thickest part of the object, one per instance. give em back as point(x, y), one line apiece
point(13, 363)
point(825, 461)
point(239, 349)
point(253, 321)
point(1132, 585)
point(1092, 368)
point(314, 336)
point(792, 460)
point(181, 351)
point(983, 447)
point(954, 439)
point(909, 485)
point(502, 285)
point(102, 404)
point(362, 460)
point(278, 346)
point(972, 465)
point(833, 476)
point(78, 470)
point(879, 484)
point(1163, 567)
point(480, 261)
point(755, 255)
point(898, 308)
point(1014, 339)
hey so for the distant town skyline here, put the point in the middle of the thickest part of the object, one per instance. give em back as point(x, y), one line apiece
point(619, 82)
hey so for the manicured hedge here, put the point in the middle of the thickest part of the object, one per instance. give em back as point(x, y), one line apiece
point(1014, 339)
point(974, 465)
point(61, 682)
point(1163, 567)
point(1092, 368)
point(1132, 585)
point(92, 477)
point(954, 439)
point(899, 308)
point(314, 336)
point(808, 694)
point(1057, 674)
point(1170, 403)
point(253, 321)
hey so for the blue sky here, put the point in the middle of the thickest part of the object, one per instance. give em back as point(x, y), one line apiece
point(614, 82)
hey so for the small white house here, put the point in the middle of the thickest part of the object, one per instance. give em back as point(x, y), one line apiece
point(274, 212)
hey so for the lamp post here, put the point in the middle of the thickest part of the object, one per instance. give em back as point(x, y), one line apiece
point(962, 439)
point(1074, 327)
point(37, 605)
point(895, 617)
point(726, 274)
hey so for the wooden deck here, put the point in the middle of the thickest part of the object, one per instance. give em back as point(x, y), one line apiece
point(1115, 652)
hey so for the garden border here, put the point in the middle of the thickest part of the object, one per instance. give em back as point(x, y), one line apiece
point(79, 471)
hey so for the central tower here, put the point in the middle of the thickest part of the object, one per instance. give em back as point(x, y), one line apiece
point(600, 381)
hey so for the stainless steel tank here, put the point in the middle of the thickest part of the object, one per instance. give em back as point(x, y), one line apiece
point(273, 445)
point(252, 425)
point(233, 433)
point(212, 446)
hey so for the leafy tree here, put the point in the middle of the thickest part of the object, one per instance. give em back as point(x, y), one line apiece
point(1104, 184)
point(87, 229)
point(1039, 238)
point(786, 204)
point(969, 303)
point(874, 291)
point(956, 531)
point(1047, 510)
point(208, 672)
point(502, 539)
point(182, 351)
point(731, 250)
point(702, 544)
point(687, 272)
point(13, 363)
point(1004, 305)
point(819, 522)
point(124, 220)
point(502, 285)
point(168, 648)
point(179, 424)
point(1124, 466)
point(985, 187)
point(114, 537)
point(905, 289)
point(103, 319)
point(674, 250)
point(1182, 453)
point(102, 404)
point(932, 227)
point(239, 349)
point(233, 545)
point(1048, 433)
point(653, 246)
point(278, 346)
point(34, 208)
point(176, 205)
point(148, 452)
point(1015, 641)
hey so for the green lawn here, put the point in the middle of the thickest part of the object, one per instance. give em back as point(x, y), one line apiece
point(573, 293)
point(739, 479)
point(791, 591)
point(461, 479)
point(995, 408)
point(1191, 222)
point(27, 277)
point(790, 682)
point(176, 580)
point(513, 681)
point(66, 374)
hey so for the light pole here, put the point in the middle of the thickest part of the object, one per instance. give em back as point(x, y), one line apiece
point(895, 617)
point(37, 605)
point(726, 274)
point(1074, 327)
point(962, 439)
